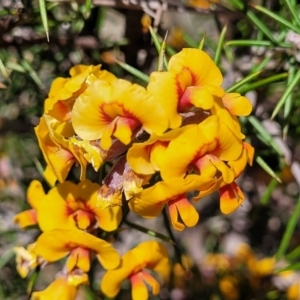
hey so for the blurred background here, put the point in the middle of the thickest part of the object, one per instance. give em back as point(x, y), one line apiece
point(103, 31)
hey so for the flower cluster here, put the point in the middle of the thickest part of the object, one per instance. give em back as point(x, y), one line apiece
point(178, 135)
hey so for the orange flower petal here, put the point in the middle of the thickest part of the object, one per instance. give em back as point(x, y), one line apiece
point(201, 67)
point(139, 290)
point(162, 86)
point(80, 258)
point(187, 212)
point(57, 290)
point(231, 197)
point(236, 104)
point(54, 245)
point(112, 279)
point(152, 282)
point(151, 201)
point(58, 158)
point(26, 218)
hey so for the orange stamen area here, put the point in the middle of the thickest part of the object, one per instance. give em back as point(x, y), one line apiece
point(84, 219)
point(81, 213)
point(79, 257)
point(129, 122)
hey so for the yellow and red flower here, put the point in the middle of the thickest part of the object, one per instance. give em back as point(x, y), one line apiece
point(78, 245)
point(26, 259)
point(69, 206)
point(192, 79)
point(64, 91)
point(119, 110)
point(150, 202)
point(63, 287)
point(135, 263)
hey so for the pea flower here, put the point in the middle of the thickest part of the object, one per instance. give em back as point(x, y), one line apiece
point(147, 255)
point(64, 91)
point(63, 287)
point(27, 259)
point(120, 110)
point(77, 245)
point(62, 150)
point(70, 206)
point(35, 195)
point(231, 196)
point(150, 202)
point(192, 80)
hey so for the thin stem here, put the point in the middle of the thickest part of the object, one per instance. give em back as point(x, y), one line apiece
point(170, 232)
point(149, 232)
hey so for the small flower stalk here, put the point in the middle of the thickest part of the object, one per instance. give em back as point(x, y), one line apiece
point(153, 146)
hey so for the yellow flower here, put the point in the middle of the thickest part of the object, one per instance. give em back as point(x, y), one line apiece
point(35, 195)
point(205, 148)
point(147, 255)
point(231, 196)
point(56, 244)
point(146, 158)
point(59, 289)
point(229, 287)
point(192, 79)
point(150, 202)
point(293, 291)
point(62, 150)
point(119, 110)
point(69, 205)
point(64, 91)
point(26, 259)
point(57, 155)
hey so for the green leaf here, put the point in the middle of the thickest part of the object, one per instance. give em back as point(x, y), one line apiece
point(43, 12)
point(191, 43)
point(262, 64)
point(261, 26)
point(238, 4)
point(201, 44)
point(290, 228)
point(156, 42)
point(88, 5)
point(286, 94)
point(4, 71)
point(257, 43)
point(289, 101)
point(267, 137)
point(242, 82)
point(220, 45)
point(6, 257)
point(32, 73)
point(161, 56)
point(294, 10)
point(267, 168)
point(292, 267)
point(134, 71)
point(293, 254)
point(249, 43)
point(276, 17)
point(252, 86)
point(268, 192)
point(15, 67)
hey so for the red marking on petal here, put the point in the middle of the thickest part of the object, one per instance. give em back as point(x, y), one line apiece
point(130, 122)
